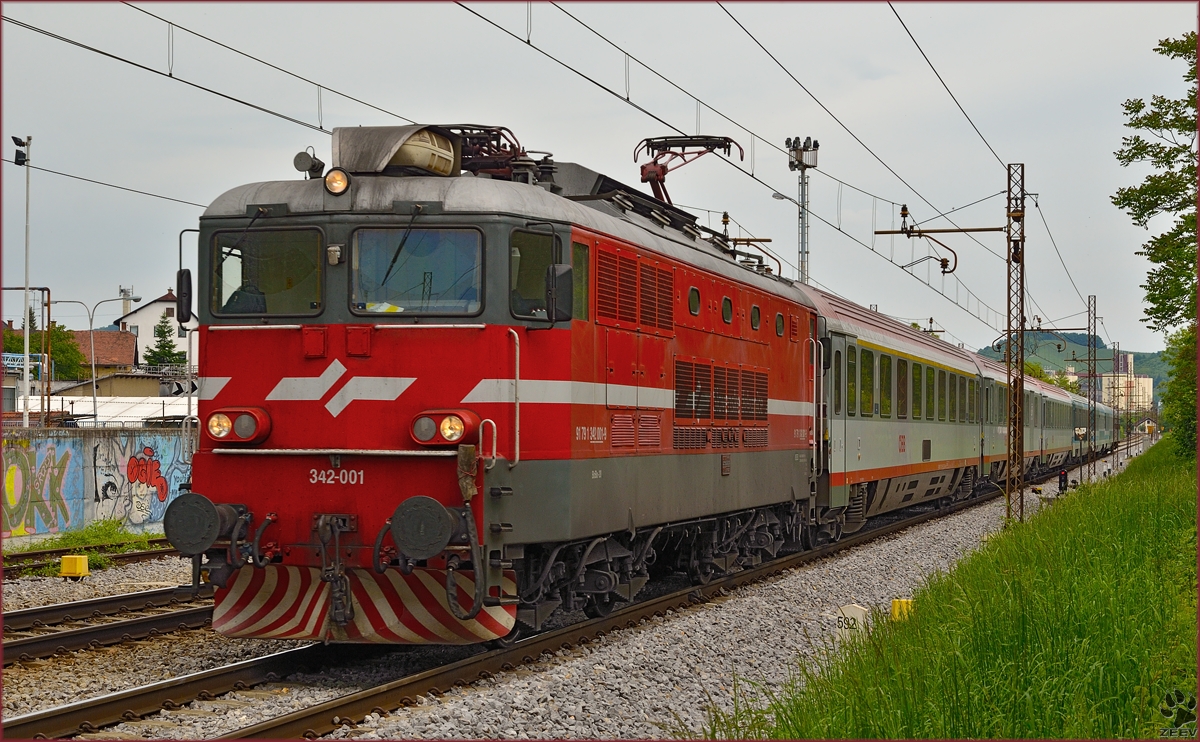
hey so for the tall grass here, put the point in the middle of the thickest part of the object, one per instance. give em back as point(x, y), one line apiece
point(109, 534)
point(1075, 624)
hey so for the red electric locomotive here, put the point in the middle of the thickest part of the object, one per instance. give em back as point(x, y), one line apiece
point(448, 390)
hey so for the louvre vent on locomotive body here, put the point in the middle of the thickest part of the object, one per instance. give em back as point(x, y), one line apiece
point(450, 386)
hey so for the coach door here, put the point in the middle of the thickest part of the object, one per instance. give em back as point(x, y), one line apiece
point(835, 391)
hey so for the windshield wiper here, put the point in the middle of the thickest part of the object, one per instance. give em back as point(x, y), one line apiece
point(407, 231)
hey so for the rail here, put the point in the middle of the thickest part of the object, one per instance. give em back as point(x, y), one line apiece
point(34, 646)
point(47, 615)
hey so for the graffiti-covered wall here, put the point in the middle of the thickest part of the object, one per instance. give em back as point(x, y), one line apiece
point(61, 480)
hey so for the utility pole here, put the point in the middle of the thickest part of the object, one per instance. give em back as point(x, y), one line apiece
point(1014, 351)
point(802, 156)
point(22, 158)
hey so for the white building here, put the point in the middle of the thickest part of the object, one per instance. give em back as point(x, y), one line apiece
point(141, 321)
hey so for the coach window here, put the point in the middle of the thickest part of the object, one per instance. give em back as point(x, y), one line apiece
point(755, 317)
point(901, 388)
point(580, 265)
point(851, 379)
point(962, 399)
point(779, 331)
point(727, 310)
point(916, 391)
point(531, 253)
point(930, 393)
point(941, 395)
point(953, 398)
point(837, 382)
point(885, 385)
point(972, 390)
point(694, 301)
point(866, 392)
point(987, 405)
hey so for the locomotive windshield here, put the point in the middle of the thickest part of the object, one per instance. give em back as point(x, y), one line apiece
point(266, 272)
point(419, 271)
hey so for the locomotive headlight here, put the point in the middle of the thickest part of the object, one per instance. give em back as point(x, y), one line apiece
point(245, 426)
point(424, 428)
point(219, 425)
point(337, 181)
point(452, 427)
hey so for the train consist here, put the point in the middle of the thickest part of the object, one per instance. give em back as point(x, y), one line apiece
point(448, 389)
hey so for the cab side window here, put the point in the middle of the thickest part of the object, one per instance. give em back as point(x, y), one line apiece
point(530, 254)
point(580, 267)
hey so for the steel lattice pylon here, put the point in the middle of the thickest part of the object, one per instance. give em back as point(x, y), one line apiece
point(1014, 346)
point(1092, 389)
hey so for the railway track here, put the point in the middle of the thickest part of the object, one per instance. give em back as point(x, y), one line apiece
point(91, 715)
point(21, 563)
point(33, 633)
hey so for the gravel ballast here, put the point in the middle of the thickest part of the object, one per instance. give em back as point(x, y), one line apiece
point(33, 592)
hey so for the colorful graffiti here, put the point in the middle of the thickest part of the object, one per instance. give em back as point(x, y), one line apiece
point(70, 478)
point(37, 489)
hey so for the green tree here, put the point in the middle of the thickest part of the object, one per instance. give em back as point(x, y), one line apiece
point(68, 360)
point(1170, 288)
point(163, 352)
point(1179, 395)
point(1171, 189)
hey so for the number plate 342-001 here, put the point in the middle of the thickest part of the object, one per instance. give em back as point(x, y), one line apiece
point(336, 476)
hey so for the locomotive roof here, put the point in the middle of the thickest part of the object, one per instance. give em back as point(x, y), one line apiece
point(472, 195)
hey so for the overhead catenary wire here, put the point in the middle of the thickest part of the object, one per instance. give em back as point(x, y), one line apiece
point(944, 85)
point(109, 185)
point(843, 125)
point(1071, 278)
point(132, 63)
point(320, 86)
point(701, 102)
point(733, 164)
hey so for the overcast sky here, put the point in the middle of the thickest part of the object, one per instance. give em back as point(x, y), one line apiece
point(1043, 82)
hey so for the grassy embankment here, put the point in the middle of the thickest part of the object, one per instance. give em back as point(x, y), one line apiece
point(96, 539)
point(1075, 624)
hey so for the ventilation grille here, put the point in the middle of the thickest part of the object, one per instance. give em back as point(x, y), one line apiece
point(704, 392)
point(606, 285)
point(689, 437)
point(755, 437)
point(627, 289)
point(622, 431)
point(649, 431)
point(725, 437)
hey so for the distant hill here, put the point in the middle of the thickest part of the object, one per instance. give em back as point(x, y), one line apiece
point(1042, 348)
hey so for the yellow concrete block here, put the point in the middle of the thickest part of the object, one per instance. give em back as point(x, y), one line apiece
point(74, 565)
point(901, 608)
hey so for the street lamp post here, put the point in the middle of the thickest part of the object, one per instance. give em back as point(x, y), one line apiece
point(91, 313)
point(22, 158)
point(801, 156)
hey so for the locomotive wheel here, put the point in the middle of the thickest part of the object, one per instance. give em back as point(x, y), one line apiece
point(599, 605)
